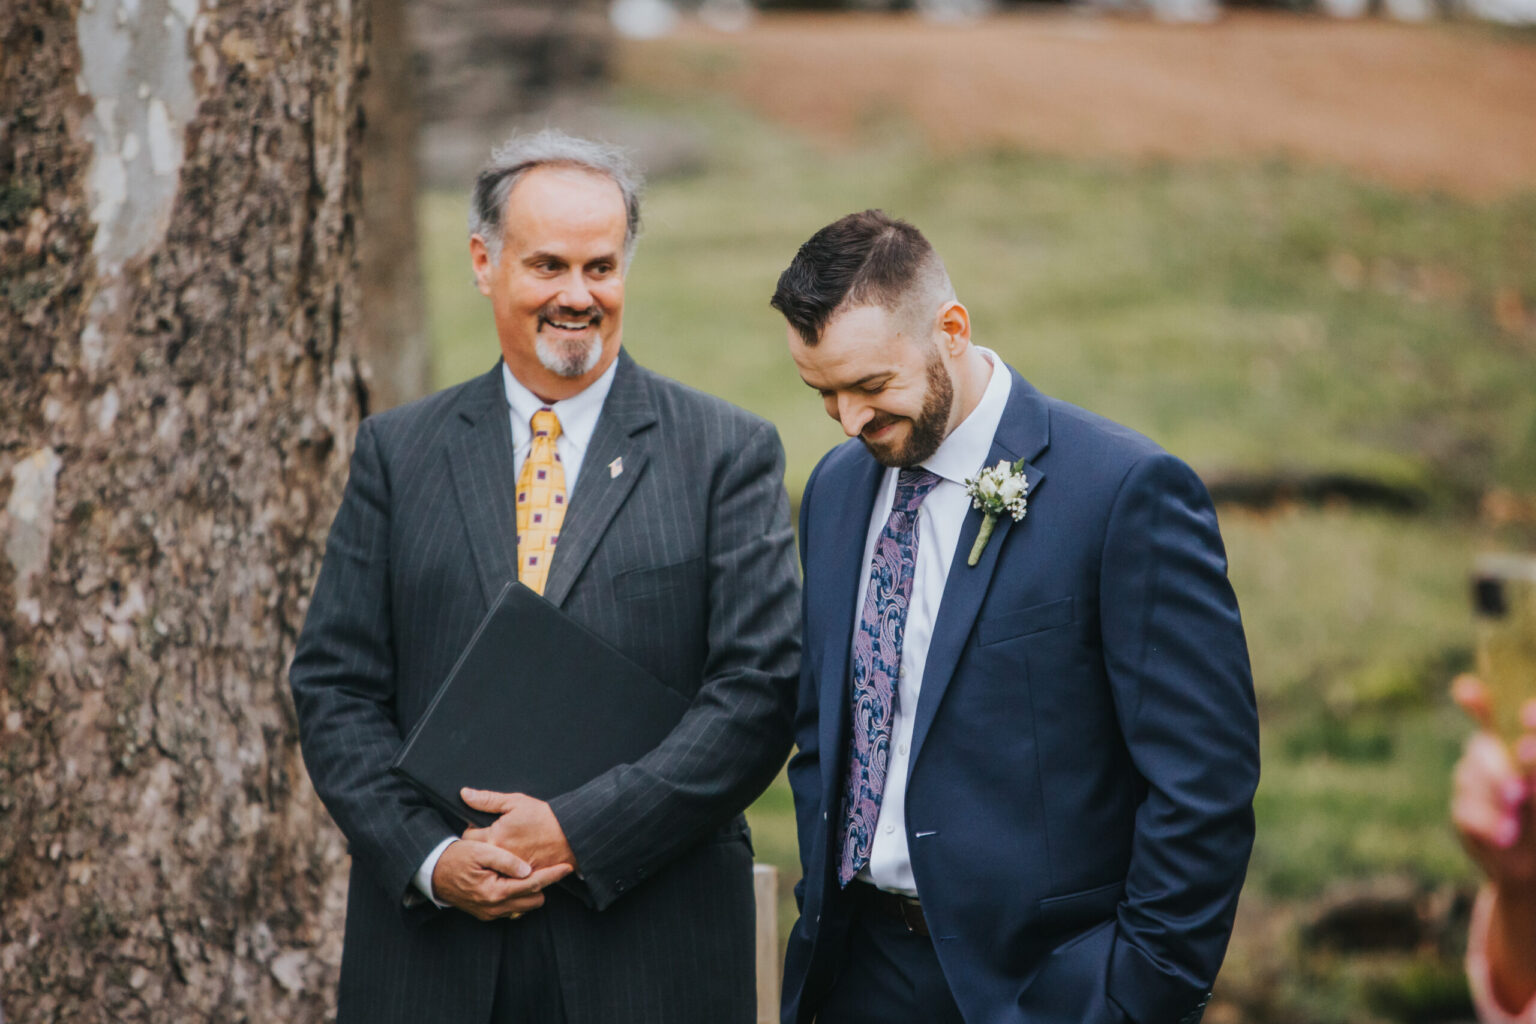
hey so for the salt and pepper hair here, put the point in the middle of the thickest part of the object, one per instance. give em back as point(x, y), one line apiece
point(864, 259)
point(549, 148)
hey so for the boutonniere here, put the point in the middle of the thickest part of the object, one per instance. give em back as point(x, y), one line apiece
point(1002, 488)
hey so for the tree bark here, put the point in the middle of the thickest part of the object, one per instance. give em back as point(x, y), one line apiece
point(393, 335)
point(178, 391)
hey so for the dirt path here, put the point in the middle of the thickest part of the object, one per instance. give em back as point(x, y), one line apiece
point(1450, 107)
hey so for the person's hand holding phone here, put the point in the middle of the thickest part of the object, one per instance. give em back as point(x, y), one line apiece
point(1495, 815)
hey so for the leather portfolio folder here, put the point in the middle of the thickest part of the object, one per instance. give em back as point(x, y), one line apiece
point(536, 704)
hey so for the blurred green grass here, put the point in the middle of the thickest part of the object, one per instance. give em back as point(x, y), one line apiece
point(1249, 316)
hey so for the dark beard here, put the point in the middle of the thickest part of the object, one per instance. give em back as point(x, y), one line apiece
point(928, 429)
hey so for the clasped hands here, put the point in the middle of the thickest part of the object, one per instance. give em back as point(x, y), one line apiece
point(503, 870)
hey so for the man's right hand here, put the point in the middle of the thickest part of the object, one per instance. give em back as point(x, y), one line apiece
point(488, 882)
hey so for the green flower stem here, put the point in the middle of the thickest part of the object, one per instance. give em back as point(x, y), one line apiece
point(982, 537)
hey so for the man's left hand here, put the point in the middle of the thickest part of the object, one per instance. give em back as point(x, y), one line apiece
point(527, 827)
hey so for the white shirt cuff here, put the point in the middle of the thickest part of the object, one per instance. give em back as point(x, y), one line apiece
point(424, 873)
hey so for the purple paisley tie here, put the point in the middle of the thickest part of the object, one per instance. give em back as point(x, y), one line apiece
point(876, 664)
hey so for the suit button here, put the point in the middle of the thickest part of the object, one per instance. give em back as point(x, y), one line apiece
point(618, 886)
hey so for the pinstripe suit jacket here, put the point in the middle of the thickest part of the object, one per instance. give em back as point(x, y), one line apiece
point(685, 562)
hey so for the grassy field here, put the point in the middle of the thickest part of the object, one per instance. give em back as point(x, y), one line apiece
point(1252, 317)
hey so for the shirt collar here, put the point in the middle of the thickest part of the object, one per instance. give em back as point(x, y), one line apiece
point(578, 414)
point(964, 452)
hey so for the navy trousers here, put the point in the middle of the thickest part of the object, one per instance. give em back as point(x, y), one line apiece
point(889, 974)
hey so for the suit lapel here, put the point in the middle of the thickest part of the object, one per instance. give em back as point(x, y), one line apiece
point(1023, 433)
point(613, 464)
point(853, 496)
point(486, 483)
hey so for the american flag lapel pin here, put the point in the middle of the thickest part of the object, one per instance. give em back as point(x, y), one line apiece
point(615, 467)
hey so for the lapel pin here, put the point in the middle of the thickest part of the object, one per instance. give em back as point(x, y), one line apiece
point(615, 467)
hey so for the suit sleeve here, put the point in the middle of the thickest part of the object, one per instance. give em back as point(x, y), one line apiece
point(1178, 665)
point(625, 824)
point(343, 681)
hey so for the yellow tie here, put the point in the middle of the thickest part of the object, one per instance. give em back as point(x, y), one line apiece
point(540, 503)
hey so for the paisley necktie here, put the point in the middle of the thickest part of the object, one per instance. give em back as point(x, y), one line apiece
point(876, 664)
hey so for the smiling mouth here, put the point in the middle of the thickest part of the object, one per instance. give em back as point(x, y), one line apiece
point(572, 324)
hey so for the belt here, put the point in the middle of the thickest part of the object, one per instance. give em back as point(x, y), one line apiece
point(906, 909)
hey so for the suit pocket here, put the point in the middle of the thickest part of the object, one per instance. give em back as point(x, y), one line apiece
point(737, 831)
point(640, 584)
point(1024, 622)
point(1074, 910)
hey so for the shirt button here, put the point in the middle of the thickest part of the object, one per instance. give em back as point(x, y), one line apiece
point(889, 829)
point(901, 748)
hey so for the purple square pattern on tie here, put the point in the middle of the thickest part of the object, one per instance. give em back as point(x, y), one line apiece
point(541, 503)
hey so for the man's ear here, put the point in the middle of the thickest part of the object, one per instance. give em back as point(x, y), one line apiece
point(480, 261)
point(954, 324)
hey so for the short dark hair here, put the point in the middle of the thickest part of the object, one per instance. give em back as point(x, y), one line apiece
point(868, 258)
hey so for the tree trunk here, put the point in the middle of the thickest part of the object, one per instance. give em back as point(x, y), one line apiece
point(178, 195)
point(393, 335)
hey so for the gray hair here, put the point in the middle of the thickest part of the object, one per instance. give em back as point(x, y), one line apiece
point(550, 147)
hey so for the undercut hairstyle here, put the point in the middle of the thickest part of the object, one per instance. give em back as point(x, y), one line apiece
point(549, 148)
point(864, 259)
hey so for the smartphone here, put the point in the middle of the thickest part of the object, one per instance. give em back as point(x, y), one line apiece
point(1504, 615)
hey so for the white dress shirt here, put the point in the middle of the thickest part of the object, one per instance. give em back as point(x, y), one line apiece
point(961, 456)
point(578, 420)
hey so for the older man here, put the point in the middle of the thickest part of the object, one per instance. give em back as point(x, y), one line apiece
point(1028, 743)
point(651, 513)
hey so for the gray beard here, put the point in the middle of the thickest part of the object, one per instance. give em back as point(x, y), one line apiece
point(569, 360)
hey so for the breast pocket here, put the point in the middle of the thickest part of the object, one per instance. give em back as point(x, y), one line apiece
point(659, 618)
point(653, 582)
point(1038, 618)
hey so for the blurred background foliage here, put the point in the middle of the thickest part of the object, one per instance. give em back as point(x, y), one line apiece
point(1275, 322)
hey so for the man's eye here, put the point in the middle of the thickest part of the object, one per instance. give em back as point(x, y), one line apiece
point(873, 389)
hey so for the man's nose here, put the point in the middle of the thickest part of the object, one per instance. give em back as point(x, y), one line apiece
point(574, 293)
point(853, 414)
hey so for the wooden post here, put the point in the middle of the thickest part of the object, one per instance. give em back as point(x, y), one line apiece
point(765, 887)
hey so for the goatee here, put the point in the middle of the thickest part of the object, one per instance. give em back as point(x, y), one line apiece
point(570, 358)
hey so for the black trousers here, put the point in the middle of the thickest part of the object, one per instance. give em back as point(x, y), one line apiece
point(890, 974)
point(527, 983)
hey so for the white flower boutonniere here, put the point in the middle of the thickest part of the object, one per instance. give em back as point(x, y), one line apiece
point(1002, 488)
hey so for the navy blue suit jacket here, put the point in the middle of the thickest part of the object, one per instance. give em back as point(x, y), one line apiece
point(1085, 751)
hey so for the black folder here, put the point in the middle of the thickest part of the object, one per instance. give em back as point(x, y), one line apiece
point(536, 704)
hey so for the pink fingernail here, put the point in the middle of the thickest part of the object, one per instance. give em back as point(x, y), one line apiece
point(1505, 835)
point(1525, 750)
point(1514, 791)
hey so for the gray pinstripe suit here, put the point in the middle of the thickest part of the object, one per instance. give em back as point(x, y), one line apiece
point(684, 560)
